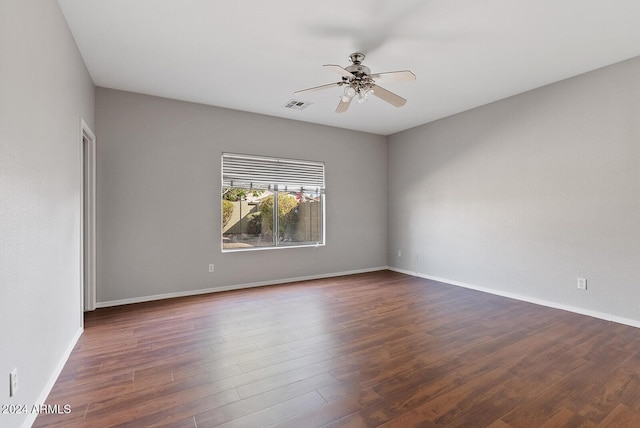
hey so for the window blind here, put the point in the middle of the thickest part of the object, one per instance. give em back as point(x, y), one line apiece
point(264, 173)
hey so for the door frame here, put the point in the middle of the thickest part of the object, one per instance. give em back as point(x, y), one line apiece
point(87, 218)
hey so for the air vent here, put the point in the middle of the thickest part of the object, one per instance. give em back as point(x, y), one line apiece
point(297, 105)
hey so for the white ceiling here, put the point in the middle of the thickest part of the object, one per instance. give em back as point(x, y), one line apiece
point(251, 55)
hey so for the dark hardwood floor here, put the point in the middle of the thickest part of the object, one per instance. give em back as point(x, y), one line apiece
point(377, 349)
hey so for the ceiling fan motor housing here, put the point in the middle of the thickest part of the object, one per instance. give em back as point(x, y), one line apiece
point(357, 68)
point(356, 58)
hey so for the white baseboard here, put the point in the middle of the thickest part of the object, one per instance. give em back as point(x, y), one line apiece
point(231, 287)
point(528, 299)
point(42, 398)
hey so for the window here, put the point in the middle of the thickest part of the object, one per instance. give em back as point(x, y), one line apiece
point(271, 202)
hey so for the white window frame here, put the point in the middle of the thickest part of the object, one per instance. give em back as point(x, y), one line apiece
point(277, 175)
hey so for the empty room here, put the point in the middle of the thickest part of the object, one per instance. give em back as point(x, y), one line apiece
point(332, 214)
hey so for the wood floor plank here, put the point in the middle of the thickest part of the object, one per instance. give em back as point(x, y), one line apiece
point(566, 418)
point(621, 417)
point(412, 419)
point(321, 415)
point(353, 420)
point(271, 415)
point(375, 349)
point(499, 424)
point(175, 414)
point(259, 402)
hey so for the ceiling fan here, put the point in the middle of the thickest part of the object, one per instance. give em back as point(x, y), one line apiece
point(359, 82)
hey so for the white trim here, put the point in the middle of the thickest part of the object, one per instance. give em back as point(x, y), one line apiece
point(232, 287)
point(42, 398)
point(595, 314)
point(88, 293)
point(265, 248)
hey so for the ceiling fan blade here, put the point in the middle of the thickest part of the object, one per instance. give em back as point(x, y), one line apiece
point(394, 76)
point(381, 20)
point(341, 71)
point(388, 96)
point(317, 88)
point(343, 106)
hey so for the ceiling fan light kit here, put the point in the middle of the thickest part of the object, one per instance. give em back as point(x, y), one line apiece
point(359, 81)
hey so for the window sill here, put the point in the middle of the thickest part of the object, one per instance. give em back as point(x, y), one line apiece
point(281, 247)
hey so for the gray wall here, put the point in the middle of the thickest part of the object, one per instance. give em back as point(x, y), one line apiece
point(159, 196)
point(524, 195)
point(44, 90)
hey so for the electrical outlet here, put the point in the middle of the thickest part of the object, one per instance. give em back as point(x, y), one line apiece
point(416, 257)
point(582, 283)
point(399, 253)
point(13, 382)
point(211, 267)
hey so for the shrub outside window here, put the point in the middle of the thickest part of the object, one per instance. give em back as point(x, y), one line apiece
point(271, 202)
